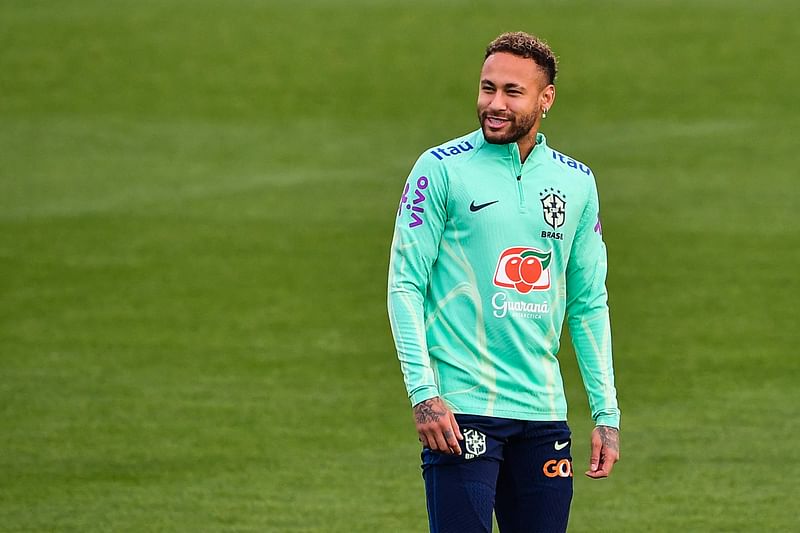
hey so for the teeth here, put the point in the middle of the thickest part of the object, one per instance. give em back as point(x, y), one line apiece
point(495, 121)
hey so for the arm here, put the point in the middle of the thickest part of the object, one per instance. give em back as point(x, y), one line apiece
point(421, 218)
point(589, 324)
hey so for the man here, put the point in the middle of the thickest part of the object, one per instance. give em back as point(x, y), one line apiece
point(497, 237)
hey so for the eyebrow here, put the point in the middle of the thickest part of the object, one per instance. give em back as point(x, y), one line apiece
point(506, 86)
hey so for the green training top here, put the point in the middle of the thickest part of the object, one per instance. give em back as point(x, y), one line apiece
point(487, 257)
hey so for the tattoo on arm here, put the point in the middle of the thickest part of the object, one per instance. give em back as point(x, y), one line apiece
point(427, 411)
point(609, 437)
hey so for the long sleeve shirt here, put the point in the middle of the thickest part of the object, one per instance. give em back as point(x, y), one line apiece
point(488, 257)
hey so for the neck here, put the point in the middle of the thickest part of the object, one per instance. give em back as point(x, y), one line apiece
point(527, 143)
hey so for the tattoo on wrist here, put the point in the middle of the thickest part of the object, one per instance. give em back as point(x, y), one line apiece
point(609, 437)
point(428, 411)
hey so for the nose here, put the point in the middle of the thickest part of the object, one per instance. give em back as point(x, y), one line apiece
point(498, 102)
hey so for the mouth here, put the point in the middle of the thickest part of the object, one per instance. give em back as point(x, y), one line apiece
point(494, 122)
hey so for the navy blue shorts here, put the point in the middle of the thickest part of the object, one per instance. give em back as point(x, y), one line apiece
point(520, 469)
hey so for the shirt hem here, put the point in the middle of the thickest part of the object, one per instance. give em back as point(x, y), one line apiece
point(536, 416)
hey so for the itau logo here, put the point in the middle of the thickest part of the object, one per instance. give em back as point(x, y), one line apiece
point(524, 269)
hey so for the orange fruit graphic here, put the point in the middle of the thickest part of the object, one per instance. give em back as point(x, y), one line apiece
point(513, 269)
point(530, 270)
point(523, 287)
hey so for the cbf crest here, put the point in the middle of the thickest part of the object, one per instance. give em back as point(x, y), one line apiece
point(474, 442)
point(554, 207)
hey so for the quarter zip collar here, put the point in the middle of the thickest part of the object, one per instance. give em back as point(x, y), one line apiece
point(537, 152)
point(511, 150)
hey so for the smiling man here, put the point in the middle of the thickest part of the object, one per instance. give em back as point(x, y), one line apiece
point(497, 239)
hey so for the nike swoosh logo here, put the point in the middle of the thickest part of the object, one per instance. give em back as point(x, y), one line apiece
point(474, 208)
point(561, 445)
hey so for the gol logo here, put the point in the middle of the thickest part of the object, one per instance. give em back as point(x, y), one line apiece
point(524, 269)
point(554, 468)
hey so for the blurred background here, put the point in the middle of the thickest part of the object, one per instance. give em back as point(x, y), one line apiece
point(196, 205)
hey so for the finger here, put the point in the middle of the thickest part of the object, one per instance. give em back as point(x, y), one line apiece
point(441, 443)
point(600, 473)
point(450, 436)
point(594, 458)
point(423, 439)
point(430, 437)
point(430, 440)
point(609, 459)
point(457, 429)
point(596, 475)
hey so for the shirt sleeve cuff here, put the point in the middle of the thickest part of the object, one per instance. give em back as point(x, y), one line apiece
point(423, 393)
point(607, 420)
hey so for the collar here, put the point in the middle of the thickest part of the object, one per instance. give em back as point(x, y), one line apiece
point(512, 149)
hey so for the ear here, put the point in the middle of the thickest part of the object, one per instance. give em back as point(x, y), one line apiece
point(547, 97)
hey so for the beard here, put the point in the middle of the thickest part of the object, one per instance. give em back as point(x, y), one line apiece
point(519, 126)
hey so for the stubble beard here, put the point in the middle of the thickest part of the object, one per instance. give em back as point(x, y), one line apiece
point(521, 125)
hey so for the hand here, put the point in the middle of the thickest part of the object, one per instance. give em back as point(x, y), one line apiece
point(605, 451)
point(437, 426)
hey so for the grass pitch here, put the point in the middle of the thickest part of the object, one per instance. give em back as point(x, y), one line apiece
point(196, 203)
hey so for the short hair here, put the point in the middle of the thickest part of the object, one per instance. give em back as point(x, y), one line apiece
point(528, 46)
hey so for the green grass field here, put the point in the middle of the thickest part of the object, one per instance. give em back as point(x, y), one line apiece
point(196, 204)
